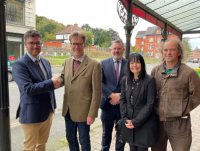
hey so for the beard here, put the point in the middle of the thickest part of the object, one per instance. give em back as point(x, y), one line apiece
point(116, 58)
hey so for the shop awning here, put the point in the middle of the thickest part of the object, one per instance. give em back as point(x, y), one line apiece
point(180, 16)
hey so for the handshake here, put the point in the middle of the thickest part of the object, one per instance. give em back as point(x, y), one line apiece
point(56, 82)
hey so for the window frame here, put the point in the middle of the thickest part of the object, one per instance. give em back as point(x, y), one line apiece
point(158, 41)
point(14, 22)
point(150, 39)
point(150, 47)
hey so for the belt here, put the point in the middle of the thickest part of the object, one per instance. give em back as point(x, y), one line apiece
point(173, 118)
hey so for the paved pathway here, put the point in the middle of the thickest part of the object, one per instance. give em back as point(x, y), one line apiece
point(96, 132)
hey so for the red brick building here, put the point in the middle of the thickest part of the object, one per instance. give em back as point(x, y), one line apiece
point(195, 54)
point(149, 41)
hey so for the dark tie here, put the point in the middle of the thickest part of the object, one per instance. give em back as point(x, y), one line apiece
point(117, 71)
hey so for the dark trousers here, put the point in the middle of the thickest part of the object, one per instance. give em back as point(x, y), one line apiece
point(71, 134)
point(136, 148)
point(108, 119)
point(178, 132)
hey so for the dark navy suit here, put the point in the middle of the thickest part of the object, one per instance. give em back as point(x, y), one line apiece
point(110, 113)
point(36, 93)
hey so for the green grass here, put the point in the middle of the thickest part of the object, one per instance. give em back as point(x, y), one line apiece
point(148, 60)
point(57, 57)
point(59, 60)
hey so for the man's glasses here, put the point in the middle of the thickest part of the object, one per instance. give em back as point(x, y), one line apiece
point(117, 48)
point(77, 44)
point(32, 44)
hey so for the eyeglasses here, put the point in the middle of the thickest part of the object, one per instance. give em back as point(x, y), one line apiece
point(32, 44)
point(77, 44)
point(117, 48)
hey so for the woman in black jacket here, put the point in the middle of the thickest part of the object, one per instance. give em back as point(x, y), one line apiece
point(138, 93)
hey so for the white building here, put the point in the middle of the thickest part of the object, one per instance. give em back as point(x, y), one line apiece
point(63, 35)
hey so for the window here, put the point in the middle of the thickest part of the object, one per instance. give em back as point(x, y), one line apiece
point(15, 12)
point(158, 48)
point(142, 48)
point(66, 36)
point(150, 39)
point(144, 37)
point(142, 42)
point(158, 40)
point(150, 46)
point(158, 31)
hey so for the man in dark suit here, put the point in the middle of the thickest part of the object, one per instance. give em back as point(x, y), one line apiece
point(112, 71)
point(37, 101)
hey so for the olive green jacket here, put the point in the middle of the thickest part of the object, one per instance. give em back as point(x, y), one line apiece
point(83, 90)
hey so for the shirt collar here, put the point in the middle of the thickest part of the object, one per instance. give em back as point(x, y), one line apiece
point(165, 66)
point(81, 58)
point(32, 58)
point(120, 60)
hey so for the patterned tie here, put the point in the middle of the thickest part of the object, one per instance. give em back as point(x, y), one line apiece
point(38, 65)
point(117, 71)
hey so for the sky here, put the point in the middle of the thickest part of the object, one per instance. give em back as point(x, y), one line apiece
point(96, 13)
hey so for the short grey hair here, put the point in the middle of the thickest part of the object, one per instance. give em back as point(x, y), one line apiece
point(118, 41)
point(180, 47)
point(80, 34)
point(32, 33)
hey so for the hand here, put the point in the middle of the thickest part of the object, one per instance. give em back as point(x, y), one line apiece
point(56, 82)
point(90, 120)
point(115, 97)
point(129, 124)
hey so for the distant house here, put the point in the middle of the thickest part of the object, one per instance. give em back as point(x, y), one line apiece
point(149, 41)
point(64, 34)
point(195, 54)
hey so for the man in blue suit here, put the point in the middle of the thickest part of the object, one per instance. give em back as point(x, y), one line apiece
point(113, 70)
point(37, 101)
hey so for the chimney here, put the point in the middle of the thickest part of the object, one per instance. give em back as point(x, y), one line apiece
point(75, 25)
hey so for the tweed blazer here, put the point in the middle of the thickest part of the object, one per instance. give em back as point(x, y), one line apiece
point(83, 90)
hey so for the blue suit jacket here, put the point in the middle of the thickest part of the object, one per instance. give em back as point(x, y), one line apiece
point(109, 83)
point(36, 93)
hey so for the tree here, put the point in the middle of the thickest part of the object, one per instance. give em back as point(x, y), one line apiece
point(114, 34)
point(105, 45)
point(105, 38)
point(133, 49)
point(137, 50)
point(187, 46)
point(48, 37)
point(89, 36)
point(101, 39)
point(97, 33)
point(44, 24)
point(86, 27)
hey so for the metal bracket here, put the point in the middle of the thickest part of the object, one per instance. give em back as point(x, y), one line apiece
point(123, 14)
point(164, 34)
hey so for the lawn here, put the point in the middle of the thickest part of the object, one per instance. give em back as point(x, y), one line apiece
point(59, 60)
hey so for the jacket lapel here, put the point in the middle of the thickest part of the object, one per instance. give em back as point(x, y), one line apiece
point(34, 67)
point(70, 65)
point(123, 66)
point(81, 68)
point(138, 89)
point(46, 67)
